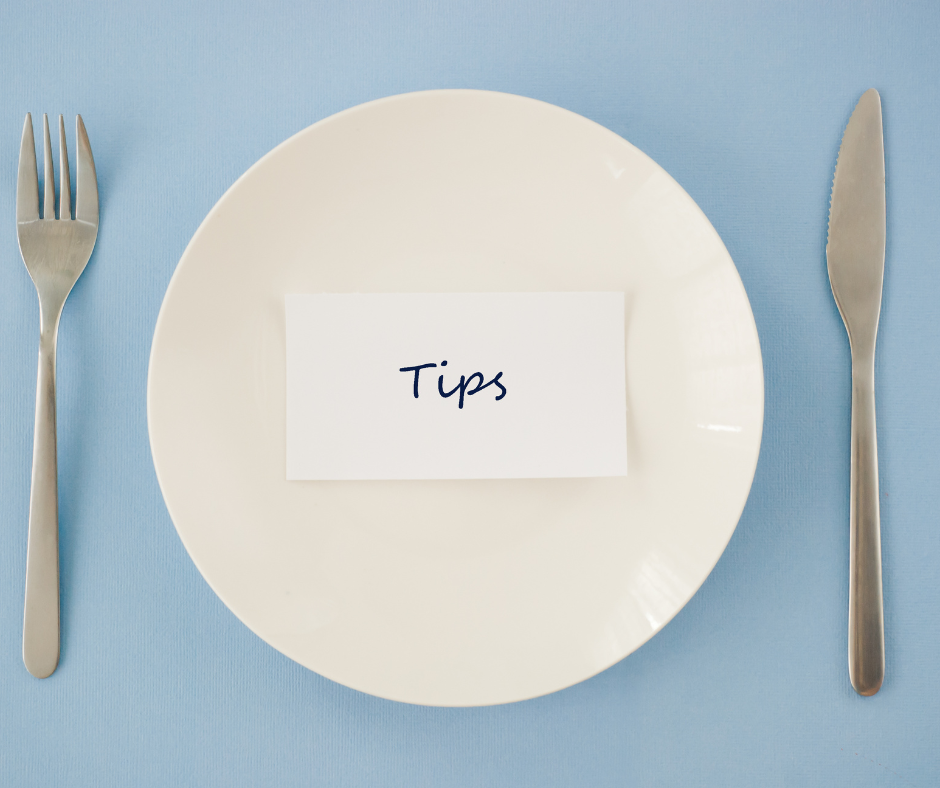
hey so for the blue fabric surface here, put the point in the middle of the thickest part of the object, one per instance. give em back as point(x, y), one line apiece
point(744, 104)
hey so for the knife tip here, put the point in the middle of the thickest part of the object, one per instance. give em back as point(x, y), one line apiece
point(870, 95)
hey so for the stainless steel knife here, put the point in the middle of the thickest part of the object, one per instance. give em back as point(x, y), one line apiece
point(855, 254)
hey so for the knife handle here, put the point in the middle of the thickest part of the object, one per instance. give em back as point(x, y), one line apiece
point(866, 610)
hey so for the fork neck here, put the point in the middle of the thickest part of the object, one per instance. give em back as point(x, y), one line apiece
point(50, 311)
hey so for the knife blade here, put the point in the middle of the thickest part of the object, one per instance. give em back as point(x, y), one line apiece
point(855, 255)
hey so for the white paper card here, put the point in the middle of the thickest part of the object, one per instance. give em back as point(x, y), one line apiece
point(511, 386)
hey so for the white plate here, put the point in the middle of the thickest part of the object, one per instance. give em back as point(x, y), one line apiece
point(455, 592)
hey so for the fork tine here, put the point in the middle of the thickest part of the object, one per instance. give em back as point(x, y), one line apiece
point(48, 188)
point(86, 181)
point(27, 179)
point(65, 183)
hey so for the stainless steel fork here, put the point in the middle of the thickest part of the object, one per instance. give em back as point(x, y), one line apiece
point(55, 252)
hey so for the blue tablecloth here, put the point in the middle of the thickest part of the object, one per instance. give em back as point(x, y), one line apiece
point(744, 103)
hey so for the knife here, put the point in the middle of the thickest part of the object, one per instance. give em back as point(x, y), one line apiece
point(855, 254)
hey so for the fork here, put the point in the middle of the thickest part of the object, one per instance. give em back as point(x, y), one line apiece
point(56, 252)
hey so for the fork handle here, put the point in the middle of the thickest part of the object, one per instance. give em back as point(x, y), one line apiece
point(866, 610)
point(41, 615)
